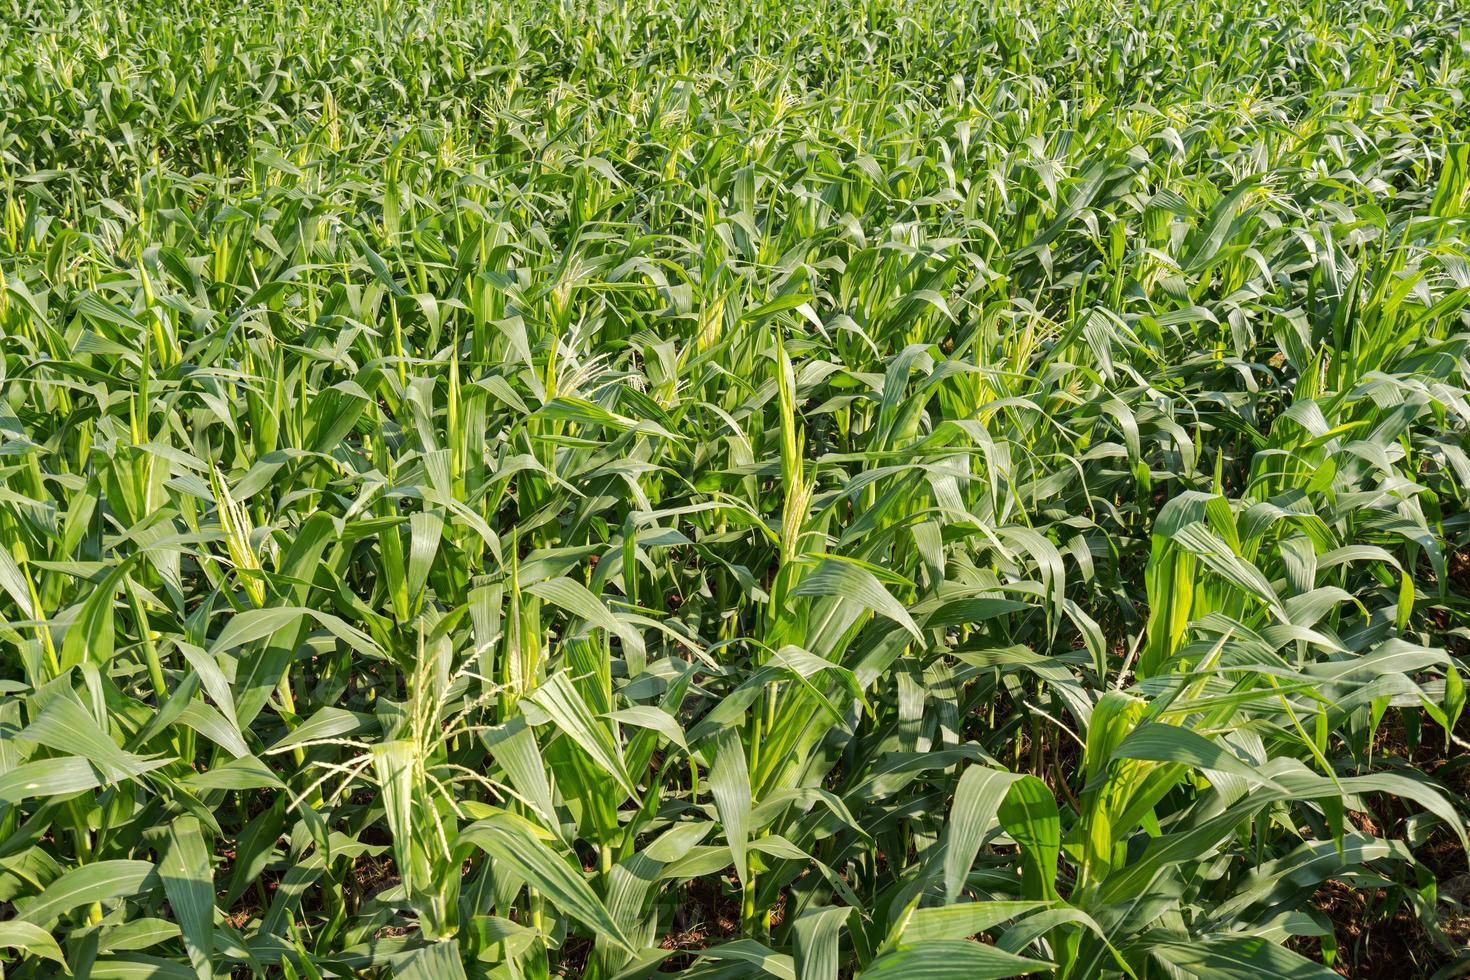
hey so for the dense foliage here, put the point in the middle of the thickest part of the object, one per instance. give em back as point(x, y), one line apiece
point(798, 487)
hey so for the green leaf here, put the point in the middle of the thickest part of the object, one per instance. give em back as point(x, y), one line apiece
point(749, 951)
point(549, 874)
point(977, 800)
point(570, 713)
point(959, 921)
point(188, 882)
point(1029, 815)
point(56, 777)
point(434, 961)
point(848, 581)
point(99, 881)
point(816, 933)
point(729, 784)
point(66, 726)
point(942, 959)
point(32, 940)
point(1170, 743)
point(577, 600)
point(1240, 958)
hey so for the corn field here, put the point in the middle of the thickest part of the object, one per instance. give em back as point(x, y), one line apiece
point(809, 489)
